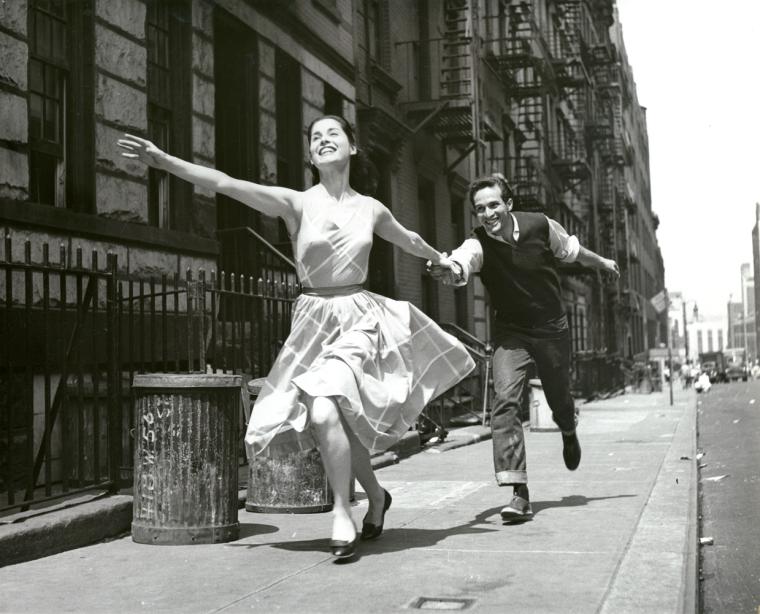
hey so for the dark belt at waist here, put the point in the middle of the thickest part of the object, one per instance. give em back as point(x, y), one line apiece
point(333, 290)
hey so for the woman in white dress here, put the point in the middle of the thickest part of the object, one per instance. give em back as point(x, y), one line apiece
point(357, 367)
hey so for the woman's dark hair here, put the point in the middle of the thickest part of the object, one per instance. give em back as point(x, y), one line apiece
point(488, 181)
point(362, 174)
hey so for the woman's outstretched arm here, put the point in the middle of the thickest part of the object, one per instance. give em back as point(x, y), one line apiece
point(388, 227)
point(274, 201)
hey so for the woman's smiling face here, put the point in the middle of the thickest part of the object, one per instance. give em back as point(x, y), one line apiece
point(328, 143)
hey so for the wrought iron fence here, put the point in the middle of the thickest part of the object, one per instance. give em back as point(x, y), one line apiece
point(60, 393)
point(73, 336)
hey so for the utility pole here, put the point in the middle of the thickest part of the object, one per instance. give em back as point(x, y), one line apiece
point(685, 332)
point(668, 336)
point(744, 314)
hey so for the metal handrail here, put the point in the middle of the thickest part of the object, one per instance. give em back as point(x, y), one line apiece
point(483, 356)
point(484, 347)
point(261, 239)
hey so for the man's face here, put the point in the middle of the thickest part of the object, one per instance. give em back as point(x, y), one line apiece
point(492, 212)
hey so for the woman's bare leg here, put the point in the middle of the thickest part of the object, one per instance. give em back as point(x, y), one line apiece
point(362, 466)
point(336, 457)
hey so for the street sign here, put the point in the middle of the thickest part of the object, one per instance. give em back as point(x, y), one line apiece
point(660, 301)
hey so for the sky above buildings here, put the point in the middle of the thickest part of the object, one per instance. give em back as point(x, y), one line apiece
point(695, 63)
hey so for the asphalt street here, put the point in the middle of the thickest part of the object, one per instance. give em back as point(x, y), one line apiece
point(729, 438)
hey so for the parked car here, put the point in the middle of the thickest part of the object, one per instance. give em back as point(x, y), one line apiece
point(736, 364)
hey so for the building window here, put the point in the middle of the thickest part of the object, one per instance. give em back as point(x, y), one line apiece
point(168, 107)
point(576, 317)
point(48, 74)
point(61, 127)
point(290, 136)
point(159, 107)
point(374, 30)
point(333, 101)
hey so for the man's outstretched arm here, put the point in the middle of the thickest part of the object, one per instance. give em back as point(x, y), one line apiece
point(593, 260)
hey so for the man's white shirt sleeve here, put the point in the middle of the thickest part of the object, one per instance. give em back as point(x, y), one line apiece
point(469, 256)
point(565, 247)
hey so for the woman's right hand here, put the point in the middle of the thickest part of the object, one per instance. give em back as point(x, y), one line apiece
point(141, 149)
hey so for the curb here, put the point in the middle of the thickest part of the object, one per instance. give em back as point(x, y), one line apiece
point(461, 437)
point(662, 553)
point(65, 529)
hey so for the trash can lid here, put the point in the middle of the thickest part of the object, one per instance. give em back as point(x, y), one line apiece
point(187, 380)
point(255, 385)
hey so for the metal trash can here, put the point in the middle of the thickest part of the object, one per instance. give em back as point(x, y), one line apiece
point(186, 458)
point(288, 476)
point(540, 413)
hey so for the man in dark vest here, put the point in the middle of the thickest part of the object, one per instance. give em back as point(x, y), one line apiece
point(516, 254)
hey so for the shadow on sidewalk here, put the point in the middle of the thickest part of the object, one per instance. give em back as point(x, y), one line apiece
point(393, 540)
point(406, 538)
point(249, 529)
point(571, 501)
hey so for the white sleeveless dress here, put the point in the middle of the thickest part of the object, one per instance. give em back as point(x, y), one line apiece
point(381, 360)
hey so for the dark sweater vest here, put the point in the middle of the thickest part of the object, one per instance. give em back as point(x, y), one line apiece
point(522, 280)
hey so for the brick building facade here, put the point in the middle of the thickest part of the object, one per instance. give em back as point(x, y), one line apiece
point(439, 92)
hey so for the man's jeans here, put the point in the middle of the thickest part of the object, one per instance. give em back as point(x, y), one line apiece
point(550, 349)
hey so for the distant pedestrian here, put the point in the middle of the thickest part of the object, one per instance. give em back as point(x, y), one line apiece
point(703, 383)
point(685, 375)
point(516, 254)
point(358, 367)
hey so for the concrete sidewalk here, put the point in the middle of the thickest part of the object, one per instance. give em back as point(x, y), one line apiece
point(617, 535)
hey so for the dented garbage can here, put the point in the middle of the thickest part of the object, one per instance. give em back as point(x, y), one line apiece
point(186, 458)
point(288, 476)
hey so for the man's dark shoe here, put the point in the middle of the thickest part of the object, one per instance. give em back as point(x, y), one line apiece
point(571, 451)
point(518, 510)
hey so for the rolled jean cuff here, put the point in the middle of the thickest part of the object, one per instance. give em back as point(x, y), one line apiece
point(506, 478)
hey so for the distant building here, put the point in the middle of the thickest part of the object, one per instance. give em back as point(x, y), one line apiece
point(756, 271)
point(741, 316)
point(708, 335)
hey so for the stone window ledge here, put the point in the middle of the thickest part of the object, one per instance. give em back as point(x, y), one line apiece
point(64, 221)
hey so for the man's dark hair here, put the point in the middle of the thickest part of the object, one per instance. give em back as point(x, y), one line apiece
point(488, 181)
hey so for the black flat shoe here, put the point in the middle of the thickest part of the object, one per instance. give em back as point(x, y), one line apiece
point(372, 531)
point(342, 549)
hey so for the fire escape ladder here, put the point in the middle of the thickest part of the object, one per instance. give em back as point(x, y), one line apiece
point(531, 184)
point(456, 56)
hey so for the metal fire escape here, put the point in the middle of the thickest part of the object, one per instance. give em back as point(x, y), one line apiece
point(444, 87)
point(605, 136)
point(569, 150)
point(522, 59)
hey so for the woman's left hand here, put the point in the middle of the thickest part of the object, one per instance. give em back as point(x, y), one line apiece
point(610, 266)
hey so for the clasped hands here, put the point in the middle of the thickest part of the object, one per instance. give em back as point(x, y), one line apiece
point(447, 271)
